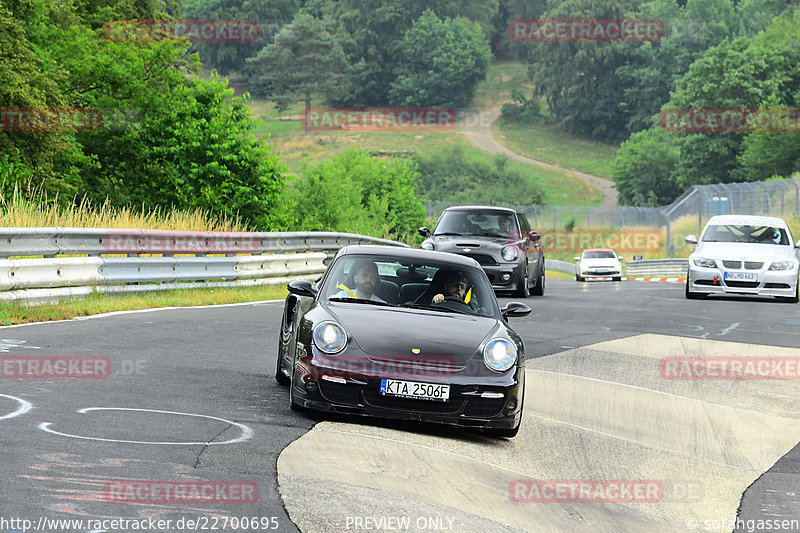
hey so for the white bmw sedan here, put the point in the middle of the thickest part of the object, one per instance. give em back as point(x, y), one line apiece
point(744, 255)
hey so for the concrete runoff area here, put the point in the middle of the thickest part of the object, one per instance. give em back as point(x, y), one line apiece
point(597, 413)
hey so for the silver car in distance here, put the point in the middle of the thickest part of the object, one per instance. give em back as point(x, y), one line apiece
point(739, 254)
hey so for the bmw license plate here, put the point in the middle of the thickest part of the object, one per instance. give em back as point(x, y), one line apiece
point(413, 389)
point(741, 276)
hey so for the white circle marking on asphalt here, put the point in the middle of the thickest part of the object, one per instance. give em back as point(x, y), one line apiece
point(247, 432)
point(23, 408)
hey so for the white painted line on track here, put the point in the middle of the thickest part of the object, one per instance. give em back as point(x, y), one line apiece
point(23, 408)
point(247, 432)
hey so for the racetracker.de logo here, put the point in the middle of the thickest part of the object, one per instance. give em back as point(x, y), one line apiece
point(621, 241)
point(413, 367)
point(196, 31)
point(175, 242)
point(729, 120)
point(55, 367)
point(585, 30)
point(50, 119)
point(381, 118)
point(585, 491)
point(154, 492)
point(730, 368)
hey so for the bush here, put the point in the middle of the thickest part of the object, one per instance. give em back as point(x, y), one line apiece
point(356, 193)
point(523, 110)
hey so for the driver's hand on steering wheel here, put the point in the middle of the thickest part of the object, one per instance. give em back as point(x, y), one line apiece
point(438, 298)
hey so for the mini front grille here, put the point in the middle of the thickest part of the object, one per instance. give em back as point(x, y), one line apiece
point(732, 264)
point(482, 259)
point(753, 265)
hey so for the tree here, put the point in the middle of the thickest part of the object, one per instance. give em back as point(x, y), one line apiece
point(643, 169)
point(227, 58)
point(305, 60)
point(355, 192)
point(441, 62)
point(579, 79)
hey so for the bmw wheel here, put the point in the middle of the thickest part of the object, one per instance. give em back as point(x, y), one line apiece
point(688, 292)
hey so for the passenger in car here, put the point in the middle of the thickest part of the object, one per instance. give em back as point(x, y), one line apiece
point(365, 279)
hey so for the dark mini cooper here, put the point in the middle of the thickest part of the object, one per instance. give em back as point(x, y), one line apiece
point(406, 334)
point(498, 238)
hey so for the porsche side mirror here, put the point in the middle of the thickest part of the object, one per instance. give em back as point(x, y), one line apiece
point(515, 310)
point(301, 287)
point(425, 231)
point(534, 235)
point(691, 239)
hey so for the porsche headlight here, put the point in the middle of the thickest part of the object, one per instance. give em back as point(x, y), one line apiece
point(426, 245)
point(703, 262)
point(329, 337)
point(500, 354)
point(782, 265)
point(509, 252)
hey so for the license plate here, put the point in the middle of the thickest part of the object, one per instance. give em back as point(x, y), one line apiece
point(416, 390)
point(741, 276)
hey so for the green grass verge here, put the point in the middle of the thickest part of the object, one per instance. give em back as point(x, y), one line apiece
point(551, 145)
point(17, 313)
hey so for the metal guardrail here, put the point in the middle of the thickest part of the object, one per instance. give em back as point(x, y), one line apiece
point(114, 260)
point(560, 266)
point(665, 268)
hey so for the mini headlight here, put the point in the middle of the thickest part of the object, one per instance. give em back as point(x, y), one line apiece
point(499, 354)
point(426, 245)
point(782, 265)
point(509, 252)
point(703, 262)
point(329, 337)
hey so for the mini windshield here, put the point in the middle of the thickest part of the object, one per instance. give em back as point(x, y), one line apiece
point(434, 285)
point(599, 255)
point(477, 223)
point(746, 234)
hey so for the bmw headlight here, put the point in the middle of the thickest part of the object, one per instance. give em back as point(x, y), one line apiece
point(329, 337)
point(703, 262)
point(782, 265)
point(509, 253)
point(500, 354)
point(426, 245)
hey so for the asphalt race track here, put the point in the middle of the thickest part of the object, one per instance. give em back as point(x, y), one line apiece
point(191, 404)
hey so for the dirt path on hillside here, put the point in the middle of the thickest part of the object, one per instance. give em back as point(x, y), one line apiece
point(478, 130)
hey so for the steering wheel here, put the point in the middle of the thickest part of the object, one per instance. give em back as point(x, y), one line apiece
point(457, 304)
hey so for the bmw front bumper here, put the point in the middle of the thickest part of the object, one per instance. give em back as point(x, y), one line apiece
point(767, 282)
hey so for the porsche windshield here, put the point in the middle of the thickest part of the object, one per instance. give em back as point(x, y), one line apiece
point(400, 283)
point(746, 234)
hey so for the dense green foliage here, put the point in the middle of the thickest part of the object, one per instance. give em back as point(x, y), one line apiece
point(450, 176)
point(441, 61)
point(357, 193)
point(167, 139)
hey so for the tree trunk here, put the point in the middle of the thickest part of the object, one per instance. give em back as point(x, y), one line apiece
point(308, 111)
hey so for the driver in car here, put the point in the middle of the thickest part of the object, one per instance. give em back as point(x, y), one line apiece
point(454, 285)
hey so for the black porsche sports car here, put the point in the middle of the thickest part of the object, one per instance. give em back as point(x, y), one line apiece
point(406, 334)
